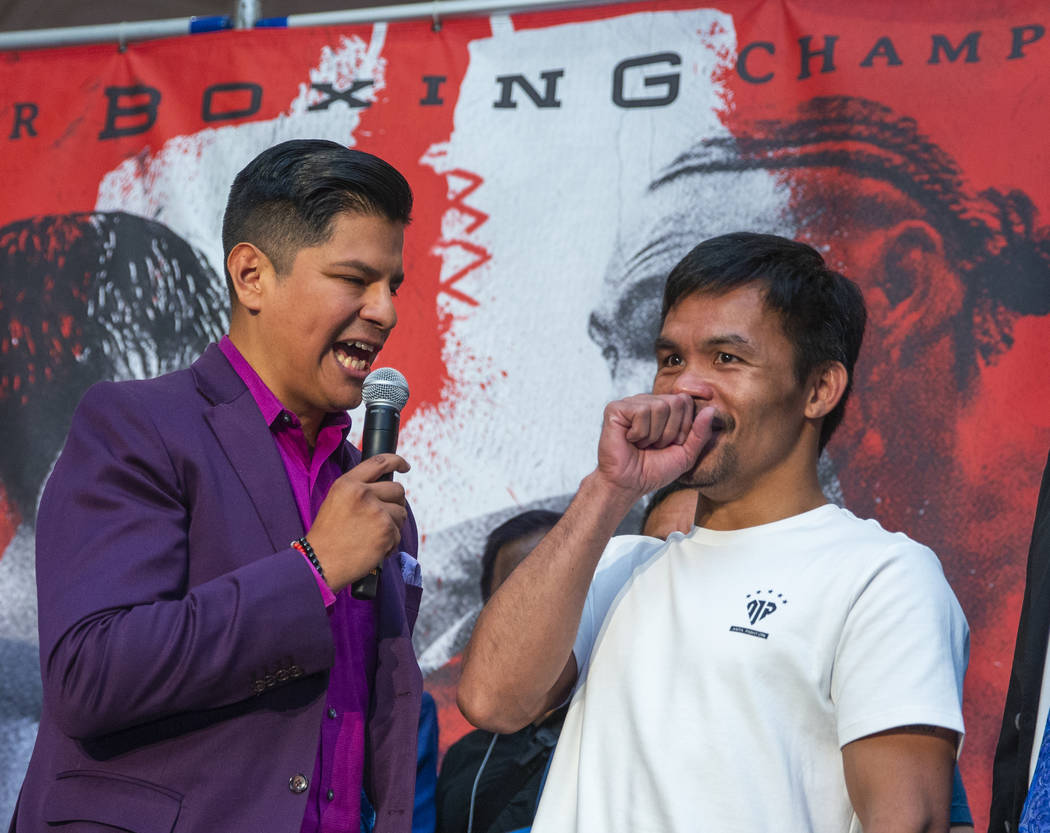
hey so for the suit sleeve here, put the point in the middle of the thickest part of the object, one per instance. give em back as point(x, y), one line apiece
point(124, 638)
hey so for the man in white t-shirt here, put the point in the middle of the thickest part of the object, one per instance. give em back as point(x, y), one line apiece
point(786, 665)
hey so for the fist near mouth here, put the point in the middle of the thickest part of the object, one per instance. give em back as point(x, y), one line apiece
point(650, 439)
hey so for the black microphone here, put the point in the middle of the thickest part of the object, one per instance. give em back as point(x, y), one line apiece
point(385, 393)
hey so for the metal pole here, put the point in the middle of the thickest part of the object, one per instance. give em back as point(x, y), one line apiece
point(246, 13)
point(114, 32)
point(433, 9)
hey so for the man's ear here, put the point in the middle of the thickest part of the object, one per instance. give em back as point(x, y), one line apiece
point(827, 385)
point(916, 293)
point(248, 267)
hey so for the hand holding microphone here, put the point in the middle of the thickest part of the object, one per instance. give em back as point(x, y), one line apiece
point(359, 522)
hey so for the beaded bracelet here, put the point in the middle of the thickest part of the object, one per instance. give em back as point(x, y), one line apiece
point(304, 547)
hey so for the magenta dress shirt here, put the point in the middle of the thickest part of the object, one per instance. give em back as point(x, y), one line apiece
point(334, 800)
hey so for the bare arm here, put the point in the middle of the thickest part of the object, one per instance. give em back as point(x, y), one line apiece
point(901, 779)
point(519, 661)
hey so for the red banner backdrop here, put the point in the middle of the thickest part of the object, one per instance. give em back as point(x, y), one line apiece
point(562, 162)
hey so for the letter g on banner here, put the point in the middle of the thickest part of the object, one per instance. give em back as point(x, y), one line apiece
point(672, 81)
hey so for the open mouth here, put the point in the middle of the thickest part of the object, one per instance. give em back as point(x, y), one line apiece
point(354, 355)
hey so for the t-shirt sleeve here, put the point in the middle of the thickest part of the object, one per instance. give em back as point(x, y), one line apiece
point(903, 649)
point(622, 556)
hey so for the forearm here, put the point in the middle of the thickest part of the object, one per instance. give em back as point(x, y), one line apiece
point(524, 636)
point(519, 661)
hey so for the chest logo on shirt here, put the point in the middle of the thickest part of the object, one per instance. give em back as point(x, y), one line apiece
point(759, 605)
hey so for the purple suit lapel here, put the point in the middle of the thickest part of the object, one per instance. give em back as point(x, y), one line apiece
point(245, 439)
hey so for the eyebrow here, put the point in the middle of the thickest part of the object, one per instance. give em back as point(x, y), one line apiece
point(663, 343)
point(360, 265)
point(733, 339)
point(369, 271)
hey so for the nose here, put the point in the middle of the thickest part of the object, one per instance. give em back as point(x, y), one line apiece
point(378, 305)
point(694, 384)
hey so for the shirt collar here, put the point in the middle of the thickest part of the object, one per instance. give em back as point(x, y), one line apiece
point(275, 414)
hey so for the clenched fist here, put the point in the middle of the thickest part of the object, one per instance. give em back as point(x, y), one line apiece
point(650, 439)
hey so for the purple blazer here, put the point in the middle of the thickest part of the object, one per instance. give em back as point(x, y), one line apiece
point(184, 645)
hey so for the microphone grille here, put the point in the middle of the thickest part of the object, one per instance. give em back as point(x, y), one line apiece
point(386, 386)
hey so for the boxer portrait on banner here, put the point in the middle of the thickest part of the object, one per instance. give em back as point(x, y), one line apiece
point(786, 665)
point(204, 664)
point(86, 297)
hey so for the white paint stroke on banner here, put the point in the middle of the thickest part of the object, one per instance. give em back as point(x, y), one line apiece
point(555, 184)
point(185, 184)
point(565, 193)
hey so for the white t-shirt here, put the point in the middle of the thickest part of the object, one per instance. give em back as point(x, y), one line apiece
point(722, 672)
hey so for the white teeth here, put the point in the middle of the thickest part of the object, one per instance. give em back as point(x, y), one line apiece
point(343, 356)
point(351, 362)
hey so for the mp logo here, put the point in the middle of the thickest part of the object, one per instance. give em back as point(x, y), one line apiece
point(759, 605)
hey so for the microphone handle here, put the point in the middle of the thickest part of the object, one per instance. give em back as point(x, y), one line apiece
point(378, 437)
point(380, 433)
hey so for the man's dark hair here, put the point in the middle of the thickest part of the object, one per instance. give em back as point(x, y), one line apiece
point(822, 312)
point(287, 197)
point(517, 527)
point(660, 495)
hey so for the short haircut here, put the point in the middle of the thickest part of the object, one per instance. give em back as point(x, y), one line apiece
point(659, 496)
point(822, 312)
point(286, 198)
point(510, 530)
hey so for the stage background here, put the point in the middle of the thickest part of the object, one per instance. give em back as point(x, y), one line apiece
point(562, 162)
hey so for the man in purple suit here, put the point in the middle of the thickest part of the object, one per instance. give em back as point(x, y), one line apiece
point(205, 667)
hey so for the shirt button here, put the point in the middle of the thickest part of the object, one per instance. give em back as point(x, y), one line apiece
point(1017, 721)
point(298, 783)
point(331, 794)
point(332, 712)
point(286, 418)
